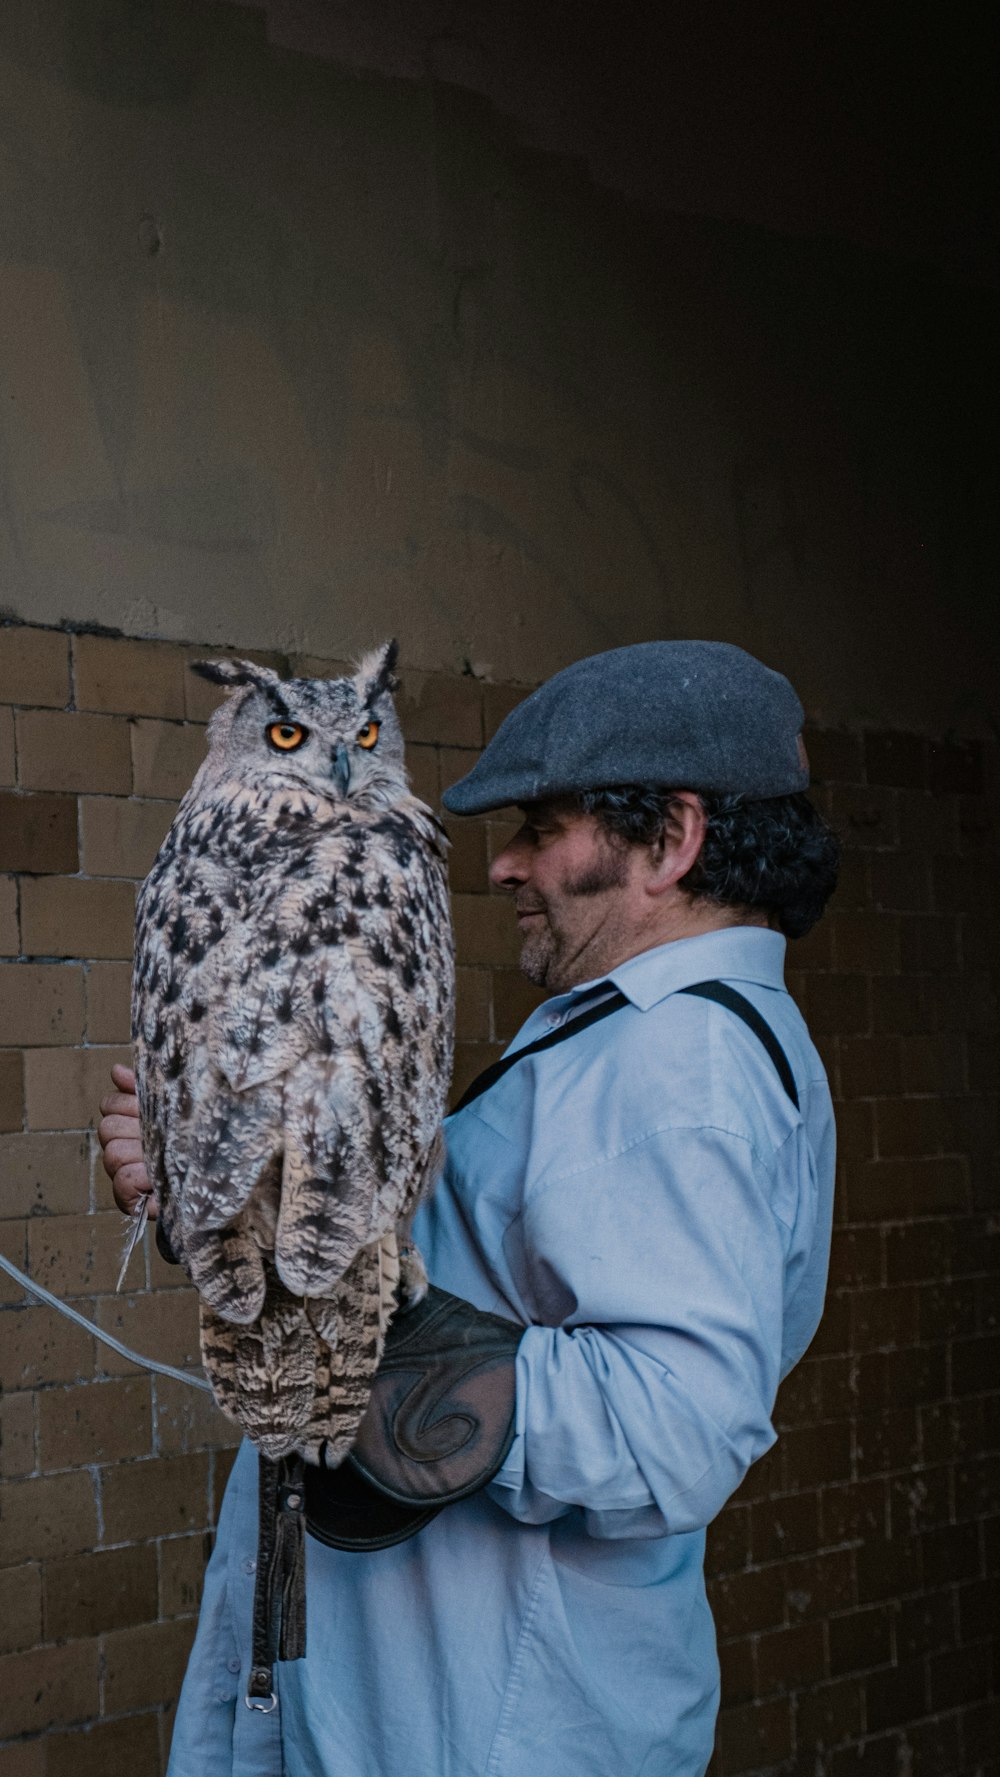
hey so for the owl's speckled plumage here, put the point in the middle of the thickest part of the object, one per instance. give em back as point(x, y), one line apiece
point(292, 1018)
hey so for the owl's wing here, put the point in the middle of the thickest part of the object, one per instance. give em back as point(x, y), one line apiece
point(323, 1052)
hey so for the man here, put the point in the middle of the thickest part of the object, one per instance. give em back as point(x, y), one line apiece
point(648, 1191)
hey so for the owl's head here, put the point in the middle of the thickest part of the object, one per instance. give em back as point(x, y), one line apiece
point(337, 738)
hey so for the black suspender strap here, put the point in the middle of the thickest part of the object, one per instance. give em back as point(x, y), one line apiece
point(613, 1001)
point(490, 1075)
point(735, 1002)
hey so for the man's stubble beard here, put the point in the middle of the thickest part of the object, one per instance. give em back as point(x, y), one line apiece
point(543, 952)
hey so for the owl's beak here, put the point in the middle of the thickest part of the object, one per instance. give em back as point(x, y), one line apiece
point(342, 770)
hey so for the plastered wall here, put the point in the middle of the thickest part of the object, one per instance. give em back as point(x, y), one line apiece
point(303, 353)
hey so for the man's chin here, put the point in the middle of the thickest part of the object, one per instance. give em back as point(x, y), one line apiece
point(536, 958)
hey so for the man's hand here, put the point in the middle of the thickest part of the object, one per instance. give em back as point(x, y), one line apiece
point(121, 1144)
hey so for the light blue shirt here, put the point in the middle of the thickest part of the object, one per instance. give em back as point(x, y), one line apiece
point(646, 1199)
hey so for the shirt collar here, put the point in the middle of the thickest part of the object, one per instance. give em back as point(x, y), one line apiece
point(737, 953)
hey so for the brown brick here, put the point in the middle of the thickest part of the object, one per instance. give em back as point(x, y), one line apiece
point(41, 1003)
point(514, 999)
point(455, 762)
point(101, 1590)
point(20, 1607)
point(934, 1064)
point(165, 757)
point(146, 1665)
point(46, 1516)
point(945, 1311)
point(898, 1190)
point(923, 820)
point(467, 860)
point(472, 1011)
point(899, 759)
point(130, 1744)
point(949, 1554)
point(438, 708)
point(860, 1640)
point(133, 678)
point(881, 1757)
point(885, 1441)
point(63, 750)
point(498, 701)
point(423, 766)
point(182, 1561)
point(47, 1687)
point(814, 1454)
point(977, 1604)
point(188, 1419)
point(63, 1087)
point(756, 1734)
point(107, 990)
point(485, 932)
point(67, 916)
point(912, 1127)
point(38, 1346)
point(853, 879)
point(34, 666)
point(834, 755)
point(162, 1497)
point(729, 1540)
point(837, 1003)
point(870, 1067)
point(815, 950)
point(75, 1255)
point(121, 836)
point(745, 1602)
point(787, 1659)
point(817, 1584)
point(902, 1378)
point(831, 1714)
point(895, 1695)
point(17, 1434)
point(739, 1678)
point(10, 940)
point(11, 1090)
point(956, 768)
point(900, 881)
point(975, 1364)
point(928, 942)
point(37, 833)
point(866, 817)
point(855, 1512)
point(8, 757)
point(783, 1527)
point(163, 1324)
point(856, 1260)
point(470, 1060)
point(43, 1175)
point(961, 885)
point(866, 943)
point(883, 1319)
point(98, 1422)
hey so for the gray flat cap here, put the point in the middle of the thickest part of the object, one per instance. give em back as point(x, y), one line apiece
point(687, 715)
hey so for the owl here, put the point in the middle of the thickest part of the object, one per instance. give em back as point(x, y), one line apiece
point(292, 1025)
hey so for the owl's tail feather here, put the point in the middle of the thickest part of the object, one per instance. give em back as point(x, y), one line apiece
point(344, 1375)
point(227, 1271)
point(264, 1376)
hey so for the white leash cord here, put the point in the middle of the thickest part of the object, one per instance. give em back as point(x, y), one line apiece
point(145, 1363)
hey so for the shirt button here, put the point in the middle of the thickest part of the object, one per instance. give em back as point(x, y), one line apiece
point(554, 1019)
point(233, 1665)
point(248, 1564)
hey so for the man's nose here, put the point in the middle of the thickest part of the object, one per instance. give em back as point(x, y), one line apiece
point(509, 867)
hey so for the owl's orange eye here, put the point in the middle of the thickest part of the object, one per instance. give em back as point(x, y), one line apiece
point(286, 736)
point(368, 735)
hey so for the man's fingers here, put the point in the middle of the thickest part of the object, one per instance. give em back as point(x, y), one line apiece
point(120, 1104)
point(130, 1183)
point(121, 1152)
point(124, 1077)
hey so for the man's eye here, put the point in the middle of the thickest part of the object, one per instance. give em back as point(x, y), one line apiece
point(286, 736)
point(368, 735)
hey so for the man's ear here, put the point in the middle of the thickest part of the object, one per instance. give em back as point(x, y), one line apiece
point(679, 845)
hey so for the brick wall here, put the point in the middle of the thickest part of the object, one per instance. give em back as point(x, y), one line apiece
point(851, 1575)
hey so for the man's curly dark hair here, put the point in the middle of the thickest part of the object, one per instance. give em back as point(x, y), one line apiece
point(777, 856)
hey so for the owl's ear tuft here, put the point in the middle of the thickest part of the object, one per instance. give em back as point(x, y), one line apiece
point(235, 672)
point(376, 671)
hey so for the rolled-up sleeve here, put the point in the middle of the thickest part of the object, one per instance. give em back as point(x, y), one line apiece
point(664, 1265)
